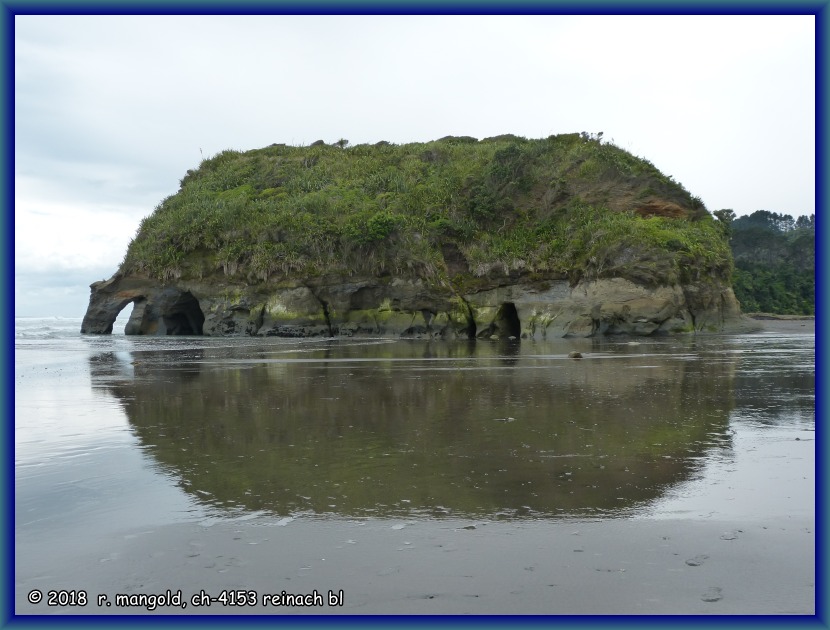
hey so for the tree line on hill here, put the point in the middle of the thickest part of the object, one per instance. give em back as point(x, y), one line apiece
point(774, 258)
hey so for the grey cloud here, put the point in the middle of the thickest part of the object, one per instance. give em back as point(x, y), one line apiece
point(62, 292)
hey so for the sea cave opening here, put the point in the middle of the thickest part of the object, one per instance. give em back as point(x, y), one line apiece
point(507, 321)
point(183, 317)
point(172, 314)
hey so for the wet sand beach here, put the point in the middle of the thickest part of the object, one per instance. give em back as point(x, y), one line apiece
point(640, 566)
point(122, 497)
point(783, 324)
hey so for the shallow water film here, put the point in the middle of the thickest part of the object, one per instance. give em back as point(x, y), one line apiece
point(117, 436)
point(390, 428)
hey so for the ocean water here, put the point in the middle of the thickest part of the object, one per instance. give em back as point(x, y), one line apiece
point(116, 433)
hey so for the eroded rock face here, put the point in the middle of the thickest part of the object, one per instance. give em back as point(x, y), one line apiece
point(410, 307)
point(157, 310)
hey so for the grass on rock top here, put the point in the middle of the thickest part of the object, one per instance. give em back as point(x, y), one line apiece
point(569, 205)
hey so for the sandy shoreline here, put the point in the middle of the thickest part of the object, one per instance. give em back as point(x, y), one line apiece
point(785, 324)
point(619, 566)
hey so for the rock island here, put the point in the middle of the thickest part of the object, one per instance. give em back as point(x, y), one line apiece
point(456, 238)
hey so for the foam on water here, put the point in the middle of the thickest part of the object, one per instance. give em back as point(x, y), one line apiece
point(46, 327)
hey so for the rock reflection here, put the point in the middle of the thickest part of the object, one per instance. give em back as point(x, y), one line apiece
point(472, 429)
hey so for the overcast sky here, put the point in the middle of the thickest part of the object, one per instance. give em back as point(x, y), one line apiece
point(110, 111)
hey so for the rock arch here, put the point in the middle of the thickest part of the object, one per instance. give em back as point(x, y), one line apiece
point(156, 310)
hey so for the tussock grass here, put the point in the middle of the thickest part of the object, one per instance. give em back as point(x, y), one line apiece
point(566, 204)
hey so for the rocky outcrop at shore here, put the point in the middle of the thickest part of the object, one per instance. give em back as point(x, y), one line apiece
point(410, 307)
point(455, 238)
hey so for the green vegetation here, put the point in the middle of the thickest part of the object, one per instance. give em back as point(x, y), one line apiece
point(567, 204)
point(774, 262)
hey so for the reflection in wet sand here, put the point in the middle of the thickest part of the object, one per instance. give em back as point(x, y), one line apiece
point(423, 428)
